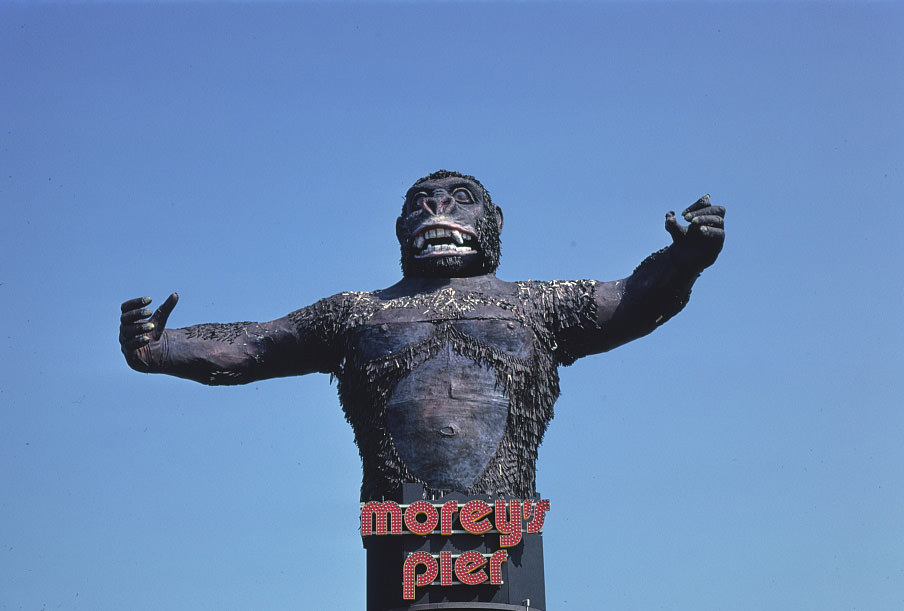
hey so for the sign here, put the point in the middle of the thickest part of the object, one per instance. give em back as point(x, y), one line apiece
point(507, 518)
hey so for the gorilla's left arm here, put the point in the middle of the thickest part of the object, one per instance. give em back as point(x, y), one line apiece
point(658, 289)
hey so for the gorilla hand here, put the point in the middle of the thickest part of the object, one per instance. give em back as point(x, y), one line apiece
point(140, 333)
point(697, 245)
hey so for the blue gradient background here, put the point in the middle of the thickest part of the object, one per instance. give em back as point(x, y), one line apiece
point(748, 455)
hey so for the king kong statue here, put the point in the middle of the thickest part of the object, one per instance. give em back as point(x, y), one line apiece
point(449, 376)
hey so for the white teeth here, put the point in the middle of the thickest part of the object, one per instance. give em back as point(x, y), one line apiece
point(441, 249)
point(459, 237)
point(446, 248)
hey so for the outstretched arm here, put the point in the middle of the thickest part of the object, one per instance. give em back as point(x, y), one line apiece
point(235, 353)
point(660, 286)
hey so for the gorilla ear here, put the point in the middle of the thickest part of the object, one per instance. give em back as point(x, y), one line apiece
point(499, 217)
point(400, 230)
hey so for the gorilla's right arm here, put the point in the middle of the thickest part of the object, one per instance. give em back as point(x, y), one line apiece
point(217, 354)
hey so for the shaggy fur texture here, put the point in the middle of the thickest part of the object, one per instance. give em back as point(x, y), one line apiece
point(531, 384)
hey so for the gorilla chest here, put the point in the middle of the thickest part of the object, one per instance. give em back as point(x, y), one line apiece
point(447, 411)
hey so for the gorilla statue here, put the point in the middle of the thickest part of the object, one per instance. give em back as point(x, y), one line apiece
point(449, 376)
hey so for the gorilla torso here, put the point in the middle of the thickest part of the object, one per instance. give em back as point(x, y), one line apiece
point(450, 385)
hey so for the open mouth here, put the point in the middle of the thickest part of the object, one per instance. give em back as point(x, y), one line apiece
point(443, 241)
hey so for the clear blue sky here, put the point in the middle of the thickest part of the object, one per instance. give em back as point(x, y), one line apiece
point(746, 456)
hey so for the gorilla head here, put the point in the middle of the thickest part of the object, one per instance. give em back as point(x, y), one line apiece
point(449, 227)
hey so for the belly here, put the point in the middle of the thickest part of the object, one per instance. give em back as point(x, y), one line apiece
point(446, 419)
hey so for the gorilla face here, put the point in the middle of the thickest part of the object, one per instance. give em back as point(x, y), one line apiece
point(449, 227)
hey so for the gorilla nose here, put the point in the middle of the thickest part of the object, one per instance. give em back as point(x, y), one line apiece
point(438, 205)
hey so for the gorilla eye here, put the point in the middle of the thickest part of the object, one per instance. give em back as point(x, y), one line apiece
point(462, 196)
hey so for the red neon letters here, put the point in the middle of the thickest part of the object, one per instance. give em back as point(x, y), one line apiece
point(509, 519)
point(468, 569)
